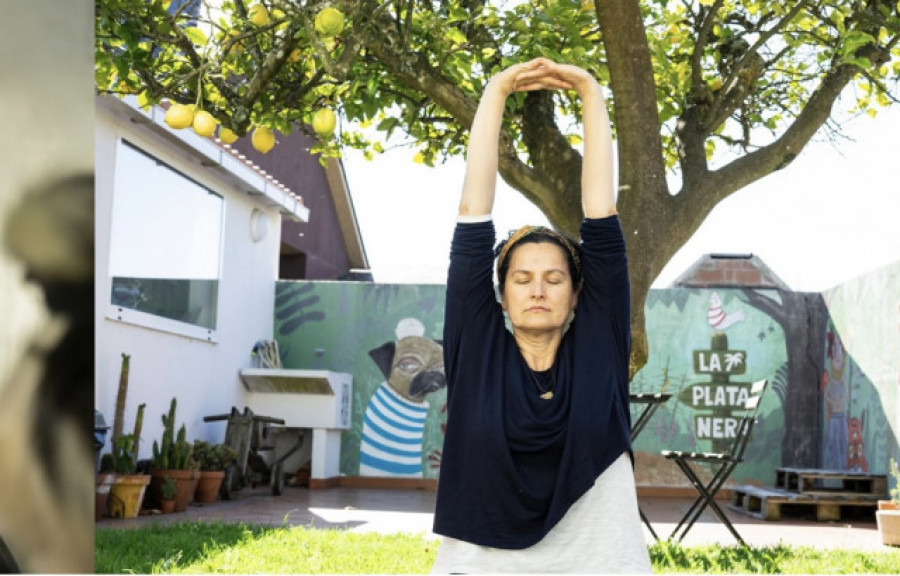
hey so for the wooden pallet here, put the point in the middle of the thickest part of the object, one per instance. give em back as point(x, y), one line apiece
point(767, 503)
point(831, 482)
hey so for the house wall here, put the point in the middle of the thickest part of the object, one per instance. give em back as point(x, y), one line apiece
point(343, 326)
point(202, 375)
point(319, 239)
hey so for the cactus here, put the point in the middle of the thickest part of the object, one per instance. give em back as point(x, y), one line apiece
point(174, 451)
point(138, 425)
point(121, 397)
point(182, 450)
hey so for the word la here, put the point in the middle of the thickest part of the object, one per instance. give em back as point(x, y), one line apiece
point(720, 361)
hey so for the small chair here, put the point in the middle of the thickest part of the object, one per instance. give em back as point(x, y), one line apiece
point(723, 464)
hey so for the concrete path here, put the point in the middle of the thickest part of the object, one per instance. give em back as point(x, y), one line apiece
point(410, 511)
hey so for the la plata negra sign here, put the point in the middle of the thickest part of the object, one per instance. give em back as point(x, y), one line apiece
point(721, 400)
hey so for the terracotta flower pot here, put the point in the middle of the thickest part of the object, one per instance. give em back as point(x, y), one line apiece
point(185, 485)
point(167, 506)
point(888, 505)
point(208, 486)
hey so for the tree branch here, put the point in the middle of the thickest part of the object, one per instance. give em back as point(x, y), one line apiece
point(721, 183)
point(735, 91)
point(380, 38)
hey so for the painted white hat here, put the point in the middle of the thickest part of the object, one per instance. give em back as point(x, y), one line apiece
point(410, 327)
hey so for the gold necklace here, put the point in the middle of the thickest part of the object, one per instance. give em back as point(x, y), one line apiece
point(548, 393)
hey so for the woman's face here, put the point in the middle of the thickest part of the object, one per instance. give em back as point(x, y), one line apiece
point(538, 293)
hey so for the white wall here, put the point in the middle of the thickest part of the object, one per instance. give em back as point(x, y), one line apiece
point(202, 375)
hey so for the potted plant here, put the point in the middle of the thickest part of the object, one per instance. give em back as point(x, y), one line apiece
point(173, 457)
point(168, 491)
point(127, 489)
point(888, 514)
point(212, 459)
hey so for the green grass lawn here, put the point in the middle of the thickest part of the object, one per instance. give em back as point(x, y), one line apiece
point(245, 549)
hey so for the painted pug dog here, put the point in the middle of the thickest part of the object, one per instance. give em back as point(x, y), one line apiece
point(46, 443)
point(395, 417)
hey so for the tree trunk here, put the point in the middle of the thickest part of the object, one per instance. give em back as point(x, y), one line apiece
point(802, 317)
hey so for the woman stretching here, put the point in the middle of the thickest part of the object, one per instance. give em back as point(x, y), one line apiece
point(536, 472)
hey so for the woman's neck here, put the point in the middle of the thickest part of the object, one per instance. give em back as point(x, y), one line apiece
point(538, 349)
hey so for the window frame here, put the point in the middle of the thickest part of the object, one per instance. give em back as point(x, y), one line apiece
point(149, 320)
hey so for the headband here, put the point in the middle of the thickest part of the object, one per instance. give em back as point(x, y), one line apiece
point(517, 235)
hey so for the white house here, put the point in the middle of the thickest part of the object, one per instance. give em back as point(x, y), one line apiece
point(187, 256)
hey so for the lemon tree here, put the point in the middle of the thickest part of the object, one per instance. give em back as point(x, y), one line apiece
point(722, 91)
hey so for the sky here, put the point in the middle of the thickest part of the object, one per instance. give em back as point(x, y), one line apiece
point(830, 216)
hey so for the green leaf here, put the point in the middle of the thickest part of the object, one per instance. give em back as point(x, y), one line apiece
point(455, 36)
point(863, 63)
point(854, 41)
point(144, 100)
point(196, 36)
point(457, 14)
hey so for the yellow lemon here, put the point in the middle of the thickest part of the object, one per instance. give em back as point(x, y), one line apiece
point(179, 116)
point(324, 122)
point(263, 139)
point(329, 22)
point(238, 46)
point(277, 14)
point(227, 135)
point(204, 124)
point(716, 84)
point(294, 56)
point(258, 14)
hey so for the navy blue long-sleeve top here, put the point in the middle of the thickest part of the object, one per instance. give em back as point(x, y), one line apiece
point(513, 463)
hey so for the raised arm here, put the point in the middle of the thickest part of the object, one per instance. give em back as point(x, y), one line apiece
point(598, 197)
point(481, 159)
point(597, 192)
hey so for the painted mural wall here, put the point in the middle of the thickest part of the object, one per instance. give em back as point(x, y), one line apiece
point(388, 337)
point(706, 347)
point(859, 384)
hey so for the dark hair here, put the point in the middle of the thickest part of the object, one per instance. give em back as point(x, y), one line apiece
point(538, 235)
